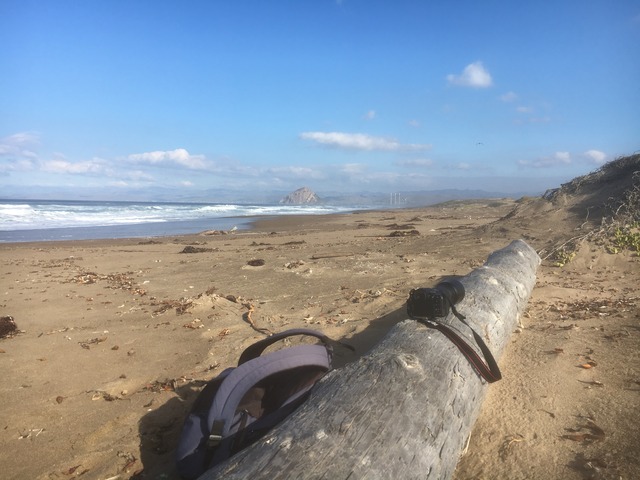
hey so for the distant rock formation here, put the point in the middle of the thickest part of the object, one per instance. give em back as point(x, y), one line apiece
point(302, 196)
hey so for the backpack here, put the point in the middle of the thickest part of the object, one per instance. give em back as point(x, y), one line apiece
point(242, 404)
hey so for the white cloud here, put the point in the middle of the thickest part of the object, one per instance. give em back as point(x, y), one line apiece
point(522, 109)
point(353, 168)
point(21, 138)
point(60, 165)
point(596, 156)
point(463, 166)
point(180, 156)
point(360, 141)
point(414, 123)
point(474, 75)
point(415, 162)
point(557, 159)
point(509, 97)
point(16, 149)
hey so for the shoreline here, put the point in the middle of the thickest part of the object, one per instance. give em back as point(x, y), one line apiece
point(161, 229)
point(48, 221)
point(224, 225)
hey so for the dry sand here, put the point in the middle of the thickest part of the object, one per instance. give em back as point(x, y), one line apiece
point(117, 336)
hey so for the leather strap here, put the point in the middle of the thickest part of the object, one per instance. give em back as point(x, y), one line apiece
point(255, 350)
point(488, 370)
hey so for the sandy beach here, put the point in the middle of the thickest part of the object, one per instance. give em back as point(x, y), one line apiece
point(116, 337)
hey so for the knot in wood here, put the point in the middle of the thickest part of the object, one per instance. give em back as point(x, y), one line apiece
point(286, 443)
point(408, 361)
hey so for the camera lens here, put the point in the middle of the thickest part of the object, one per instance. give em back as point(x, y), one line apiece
point(452, 290)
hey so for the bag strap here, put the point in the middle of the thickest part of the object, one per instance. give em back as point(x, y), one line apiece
point(256, 349)
point(489, 370)
point(246, 375)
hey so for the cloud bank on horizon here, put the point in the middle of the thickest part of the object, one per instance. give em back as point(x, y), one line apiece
point(366, 98)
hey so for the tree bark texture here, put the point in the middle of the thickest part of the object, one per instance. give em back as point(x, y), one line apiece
point(405, 409)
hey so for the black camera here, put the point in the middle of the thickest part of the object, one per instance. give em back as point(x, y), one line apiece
point(434, 302)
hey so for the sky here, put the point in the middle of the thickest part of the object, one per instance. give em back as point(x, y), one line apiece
point(182, 99)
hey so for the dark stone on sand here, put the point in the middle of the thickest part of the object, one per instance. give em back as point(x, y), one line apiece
point(404, 233)
point(192, 249)
point(8, 327)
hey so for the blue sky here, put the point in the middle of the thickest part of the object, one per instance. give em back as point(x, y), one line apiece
point(119, 99)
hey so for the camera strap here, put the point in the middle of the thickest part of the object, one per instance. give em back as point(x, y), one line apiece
point(488, 370)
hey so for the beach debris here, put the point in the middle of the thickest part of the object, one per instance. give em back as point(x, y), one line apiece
point(192, 249)
point(30, 433)
point(86, 344)
point(72, 470)
point(168, 385)
point(8, 327)
point(122, 281)
point(294, 264)
point(568, 327)
point(224, 333)
point(85, 278)
point(194, 324)
point(395, 226)
point(588, 365)
point(555, 351)
point(587, 433)
point(129, 459)
point(370, 294)
point(182, 306)
point(509, 442)
point(101, 394)
point(584, 309)
point(404, 233)
point(591, 468)
point(249, 320)
point(261, 244)
point(336, 255)
point(257, 262)
point(595, 383)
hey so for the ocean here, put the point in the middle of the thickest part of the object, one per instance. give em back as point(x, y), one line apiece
point(47, 220)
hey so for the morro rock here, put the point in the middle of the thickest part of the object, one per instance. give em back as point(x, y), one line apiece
point(302, 196)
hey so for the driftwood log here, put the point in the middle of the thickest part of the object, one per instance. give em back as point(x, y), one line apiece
point(405, 409)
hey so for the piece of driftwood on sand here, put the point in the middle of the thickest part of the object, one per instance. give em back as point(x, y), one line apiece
point(405, 409)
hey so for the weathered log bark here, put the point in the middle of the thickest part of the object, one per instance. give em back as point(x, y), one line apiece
point(406, 408)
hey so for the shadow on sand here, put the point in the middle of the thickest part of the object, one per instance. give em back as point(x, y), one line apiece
point(159, 430)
